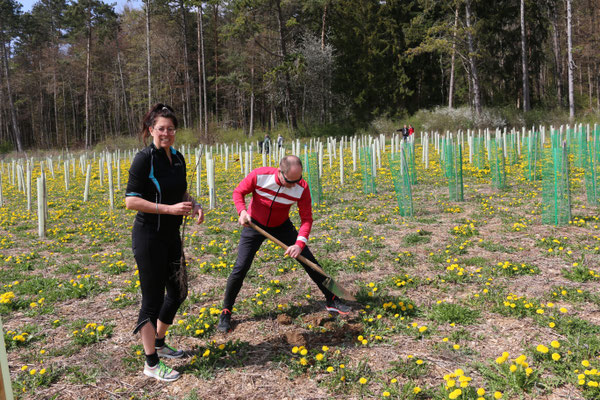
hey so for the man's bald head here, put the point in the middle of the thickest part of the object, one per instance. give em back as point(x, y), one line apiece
point(290, 170)
point(290, 163)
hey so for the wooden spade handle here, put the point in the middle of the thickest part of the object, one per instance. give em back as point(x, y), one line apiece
point(300, 258)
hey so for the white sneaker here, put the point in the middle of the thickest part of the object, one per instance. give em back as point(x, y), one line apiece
point(161, 372)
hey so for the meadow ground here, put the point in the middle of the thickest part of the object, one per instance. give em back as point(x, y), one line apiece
point(466, 300)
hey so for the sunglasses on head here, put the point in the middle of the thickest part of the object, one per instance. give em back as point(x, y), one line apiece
point(289, 181)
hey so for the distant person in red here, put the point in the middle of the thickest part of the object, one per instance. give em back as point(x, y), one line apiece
point(274, 191)
point(411, 130)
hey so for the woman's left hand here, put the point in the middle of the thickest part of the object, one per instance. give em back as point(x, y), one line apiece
point(200, 212)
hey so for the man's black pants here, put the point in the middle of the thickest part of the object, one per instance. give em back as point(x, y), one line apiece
point(250, 242)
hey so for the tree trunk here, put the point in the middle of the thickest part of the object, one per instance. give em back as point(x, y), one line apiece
point(11, 105)
point(571, 64)
point(452, 60)
point(88, 63)
point(216, 31)
point(558, 71)
point(199, 53)
point(66, 142)
point(186, 69)
point(56, 52)
point(288, 89)
point(203, 88)
point(590, 87)
point(580, 82)
point(324, 92)
point(55, 101)
point(4, 134)
point(130, 123)
point(115, 106)
point(76, 129)
point(323, 25)
point(241, 103)
point(597, 78)
point(251, 127)
point(472, 63)
point(42, 139)
point(148, 59)
point(526, 105)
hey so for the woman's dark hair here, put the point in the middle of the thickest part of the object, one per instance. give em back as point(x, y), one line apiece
point(157, 110)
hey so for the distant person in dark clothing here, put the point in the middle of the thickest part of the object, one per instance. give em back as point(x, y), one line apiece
point(267, 144)
point(405, 132)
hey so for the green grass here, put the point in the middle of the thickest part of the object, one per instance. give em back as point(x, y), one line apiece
point(580, 273)
point(496, 247)
point(419, 237)
point(411, 368)
point(453, 314)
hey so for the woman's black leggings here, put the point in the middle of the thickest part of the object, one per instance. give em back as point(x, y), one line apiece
point(250, 241)
point(158, 257)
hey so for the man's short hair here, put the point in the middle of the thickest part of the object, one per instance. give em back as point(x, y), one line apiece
point(289, 161)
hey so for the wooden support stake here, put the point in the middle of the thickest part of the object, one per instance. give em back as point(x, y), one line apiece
point(111, 194)
point(87, 182)
point(41, 207)
point(341, 163)
point(5, 385)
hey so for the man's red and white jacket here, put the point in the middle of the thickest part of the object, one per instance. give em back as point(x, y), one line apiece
point(271, 201)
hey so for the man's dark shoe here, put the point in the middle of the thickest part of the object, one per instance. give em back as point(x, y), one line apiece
point(335, 305)
point(224, 321)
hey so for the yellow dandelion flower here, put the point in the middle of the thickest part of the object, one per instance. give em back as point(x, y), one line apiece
point(541, 349)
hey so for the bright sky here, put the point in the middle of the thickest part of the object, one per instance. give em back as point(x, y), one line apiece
point(28, 4)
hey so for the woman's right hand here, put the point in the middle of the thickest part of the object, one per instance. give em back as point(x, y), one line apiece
point(183, 208)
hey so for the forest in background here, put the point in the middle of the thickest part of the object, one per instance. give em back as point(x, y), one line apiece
point(75, 73)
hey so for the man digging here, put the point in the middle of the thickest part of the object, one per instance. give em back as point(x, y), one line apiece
point(274, 191)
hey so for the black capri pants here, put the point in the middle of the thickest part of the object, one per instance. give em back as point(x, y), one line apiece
point(250, 242)
point(158, 257)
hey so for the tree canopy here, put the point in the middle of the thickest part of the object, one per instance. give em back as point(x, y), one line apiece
point(75, 72)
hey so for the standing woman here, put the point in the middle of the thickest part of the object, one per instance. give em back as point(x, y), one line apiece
point(157, 189)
